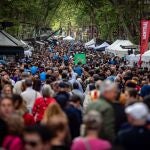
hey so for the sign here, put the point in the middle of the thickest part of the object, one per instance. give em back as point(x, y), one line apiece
point(81, 57)
point(145, 33)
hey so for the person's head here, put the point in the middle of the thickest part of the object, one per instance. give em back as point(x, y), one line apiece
point(6, 106)
point(25, 75)
point(7, 90)
point(137, 114)
point(15, 124)
point(62, 99)
point(28, 83)
point(47, 91)
point(108, 90)
point(75, 100)
point(17, 101)
point(37, 138)
point(37, 85)
point(58, 125)
point(52, 110)
point(131, 95)
point(75, 85)
point(64, 86)
point(92, 122)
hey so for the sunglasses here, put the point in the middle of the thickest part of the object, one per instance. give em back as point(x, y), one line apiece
point(31, 143)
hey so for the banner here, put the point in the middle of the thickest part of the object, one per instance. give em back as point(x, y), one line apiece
point(80, 58)
point(145, 33)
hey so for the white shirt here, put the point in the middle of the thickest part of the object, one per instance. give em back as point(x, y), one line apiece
point(29, 96)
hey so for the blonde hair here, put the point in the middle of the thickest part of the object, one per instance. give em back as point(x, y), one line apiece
point(51, 111)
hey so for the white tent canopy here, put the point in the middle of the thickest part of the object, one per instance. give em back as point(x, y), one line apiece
point(92, 42)
point(116, 48)
point(146, 56)
point(92, 46)
point(105, 44)
point(68, 38)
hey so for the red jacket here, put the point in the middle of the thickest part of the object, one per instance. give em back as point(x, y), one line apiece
point(40, 106)
point(28, 119)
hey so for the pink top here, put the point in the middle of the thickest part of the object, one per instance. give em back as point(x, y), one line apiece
point(12, 143)
point(90, 144)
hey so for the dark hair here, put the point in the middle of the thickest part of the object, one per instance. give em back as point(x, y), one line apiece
point(17, 99)
point(64, 75)
point(74, 98)
point(41, 130)
point(28, 82)
point(37, 84)
point(75, 85)
point(132, 92)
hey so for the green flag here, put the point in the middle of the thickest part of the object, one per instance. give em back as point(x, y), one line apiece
point(81, 57)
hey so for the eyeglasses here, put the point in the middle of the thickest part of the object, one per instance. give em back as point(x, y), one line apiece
point(31, 143)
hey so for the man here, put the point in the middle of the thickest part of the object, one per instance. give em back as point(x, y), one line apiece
point(78, 69)
point(37, 138)
point(108, 93)
point(74, 115)
point(18, 86)
point(77, 91)
point(62, 97)
point(137, 136)
point(131, 95)
point(29, 95)
point(145, 90)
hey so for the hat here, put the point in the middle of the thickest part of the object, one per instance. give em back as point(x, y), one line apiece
point(138, 111)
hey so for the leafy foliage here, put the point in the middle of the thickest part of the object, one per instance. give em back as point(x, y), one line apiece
point(113, 18)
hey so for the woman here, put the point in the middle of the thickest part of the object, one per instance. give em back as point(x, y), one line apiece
point(7, 90)
point(57, 122)
point(42, 103)
point(37, 85)
point(21, 109)
point(6, 107)
point(92, 123)
point(13, 140)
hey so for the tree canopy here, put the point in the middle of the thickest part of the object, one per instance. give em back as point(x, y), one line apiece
point(112, 18)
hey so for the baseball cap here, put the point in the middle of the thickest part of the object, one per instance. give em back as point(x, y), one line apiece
point(138, 111)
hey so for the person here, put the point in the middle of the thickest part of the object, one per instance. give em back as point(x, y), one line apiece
point(12, 140)
point(42, 103)
point(62, 97)
point(37, 85)
point(92, 124)
point(78, 69)
point(92, 94)
point(57, 122)
point(108, 94)
point(77, 91)
point(74, 115)
point(37, 137)
point(145, 90)
point(131, 96)
point(136, 136)
point(7, 90)
point(52, 110)
point(58, 126)
point(6, 107)
point(21, 109)
point(18, 85)
point(29, 95)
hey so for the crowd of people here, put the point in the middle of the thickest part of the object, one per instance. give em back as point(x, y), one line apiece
point(49, 103)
